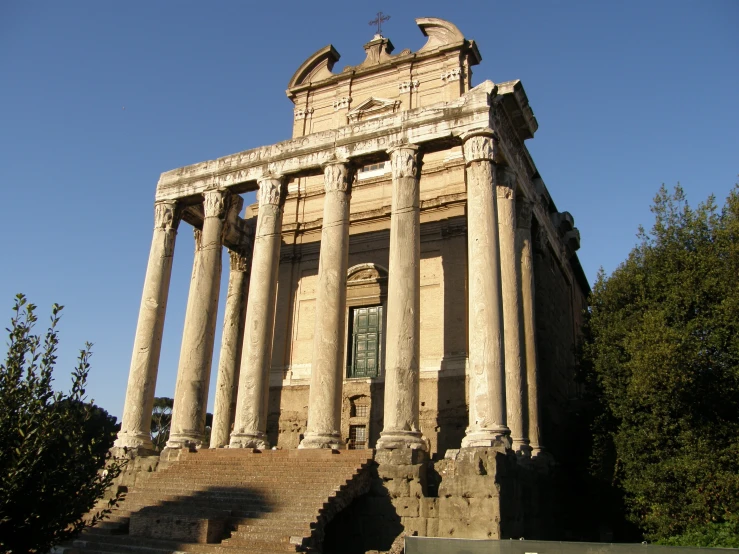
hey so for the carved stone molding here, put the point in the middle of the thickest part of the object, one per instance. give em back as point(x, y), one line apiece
point(342, 103)
point(337, 176)
point(215, 203)
point(303, 113)
point(408, 86)
point(451, 75)
point(480, 146)
point(240, 260)
point(524, 209)
point(198, 234)
point(270, 190)
point(166, 215)
point(404, 161)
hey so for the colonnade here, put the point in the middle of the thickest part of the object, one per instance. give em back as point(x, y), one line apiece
point(503, 407)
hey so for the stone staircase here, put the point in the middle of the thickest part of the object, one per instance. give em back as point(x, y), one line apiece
point(234, 501)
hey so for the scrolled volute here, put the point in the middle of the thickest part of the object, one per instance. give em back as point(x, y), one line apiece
point(404, 161)
point(166, 215)
point(337, 177)
point(215, 203)
point(270, 190)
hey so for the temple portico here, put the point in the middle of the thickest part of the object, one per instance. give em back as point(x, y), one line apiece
point(322, 346)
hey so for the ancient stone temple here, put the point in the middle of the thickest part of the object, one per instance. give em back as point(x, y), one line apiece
point(405, 283)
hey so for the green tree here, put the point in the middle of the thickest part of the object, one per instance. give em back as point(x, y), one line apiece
point(161, 420)
point(661, 361)
point(54, 461)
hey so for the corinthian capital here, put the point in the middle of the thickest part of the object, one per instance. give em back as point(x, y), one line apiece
point(166, 215)
point(404, 161)
point(215, 203)
point(270, 190)
point(240, 260)
point(480, 146)
point(337, 176)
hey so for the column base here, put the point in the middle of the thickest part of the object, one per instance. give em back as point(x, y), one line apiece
point(189, 442)
point(248, 440)
point(322, 440)
point(486, 438)
point(522, 447)
point(128, 441)
point(390, 440)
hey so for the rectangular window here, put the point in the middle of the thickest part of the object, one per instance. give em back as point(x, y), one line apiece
point(366, 338)
point(360, 411)
point(357, 437)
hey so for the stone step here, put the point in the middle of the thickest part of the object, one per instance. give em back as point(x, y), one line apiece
point(138, 545)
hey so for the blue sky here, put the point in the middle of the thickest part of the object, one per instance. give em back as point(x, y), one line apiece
point(98, 98)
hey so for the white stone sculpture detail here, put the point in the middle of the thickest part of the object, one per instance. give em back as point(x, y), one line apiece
point(404, 162)
point(165, 215)
point(215, 203)
point(301, 113)
point(336, 177)
point(342, 103)
point(479, 147)
point(451, 75)
point(240, 261)
point(270, 190)
point(407, 86)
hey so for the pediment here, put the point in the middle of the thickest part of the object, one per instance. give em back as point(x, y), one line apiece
point(364, 273)
point(373, 107)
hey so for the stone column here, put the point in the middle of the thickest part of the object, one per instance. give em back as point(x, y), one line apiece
point(401, 425)
point(135, 430)
point(523, 239)
point(250, 424)
point(231, 343)
point(327, 370)
point(510, 268)
point(196, 353)
point(487, 401)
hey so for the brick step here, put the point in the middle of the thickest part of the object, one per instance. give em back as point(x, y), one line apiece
point(272, 501)
point(173, 494)
point(141, 545)
point(252, 482)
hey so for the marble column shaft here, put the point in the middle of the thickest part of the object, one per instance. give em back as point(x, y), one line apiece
point(196, 353)
point(511, 285)
point(250, 424)
point(327, 370)
point(231, 345)
point(136, 422)
point(523, 238)
point(401, 417)
point(487, 400)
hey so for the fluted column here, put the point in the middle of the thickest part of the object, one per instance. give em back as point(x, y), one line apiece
point(523, 240)
point(510, 266)
point(324, 405)
point(487, 401)
point(196, 353)
point(401, 418)
point(231, 343)
point(250, 424)
point(135, 430)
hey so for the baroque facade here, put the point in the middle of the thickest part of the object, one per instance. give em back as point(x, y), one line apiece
point(405, 281)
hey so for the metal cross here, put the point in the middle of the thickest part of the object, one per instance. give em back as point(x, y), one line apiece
point(379, 20)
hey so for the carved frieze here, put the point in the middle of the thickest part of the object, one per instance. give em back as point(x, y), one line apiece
point(404, 161)
point(336, 177)
point(166, 215)
point(215, 203)
point(270, 190)
point(408, 86)
point(479, 147)
point(451, 75)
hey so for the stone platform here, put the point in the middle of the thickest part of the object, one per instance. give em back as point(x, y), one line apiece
point(228, 501)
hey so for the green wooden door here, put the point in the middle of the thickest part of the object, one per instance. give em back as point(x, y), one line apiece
point(366, 340)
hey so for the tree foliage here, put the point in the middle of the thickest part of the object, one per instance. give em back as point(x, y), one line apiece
point(661, 360)
point(161, 420)
point(54, 445)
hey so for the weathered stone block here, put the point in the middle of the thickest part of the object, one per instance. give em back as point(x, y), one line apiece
point(389, 471)
point(415, 489)
point(177, 527)
point(414, 526)
point(406, 507)
point(428, 507)
point(397, 487)
point(401, 456)
point(432, 527)
point(469, 486)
